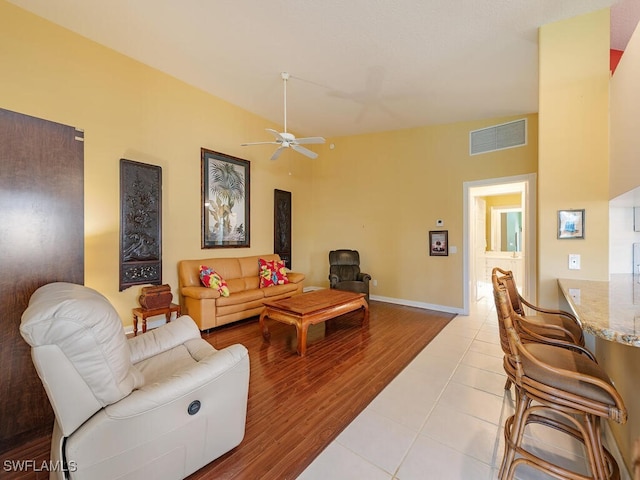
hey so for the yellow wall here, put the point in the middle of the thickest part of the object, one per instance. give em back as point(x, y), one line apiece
point(382, 193)
point(131, 111)
point(625, 111)
point(573, 173)
point(378, 193)
point(574, 147)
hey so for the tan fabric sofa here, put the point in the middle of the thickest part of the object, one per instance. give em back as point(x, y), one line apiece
point(209, 309)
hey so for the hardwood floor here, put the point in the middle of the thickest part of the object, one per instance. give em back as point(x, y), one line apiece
point(298, 405)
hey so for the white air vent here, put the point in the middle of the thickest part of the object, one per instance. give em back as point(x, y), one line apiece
point(498, 137)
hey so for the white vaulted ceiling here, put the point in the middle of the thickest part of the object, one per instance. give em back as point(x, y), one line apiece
point(357, 66)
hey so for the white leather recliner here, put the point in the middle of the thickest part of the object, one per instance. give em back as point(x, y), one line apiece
point(157, 406)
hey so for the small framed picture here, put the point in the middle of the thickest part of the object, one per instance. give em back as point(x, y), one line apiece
point(570, 224)
point(439, 243)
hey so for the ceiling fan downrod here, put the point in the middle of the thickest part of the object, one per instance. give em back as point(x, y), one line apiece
point(285, 76)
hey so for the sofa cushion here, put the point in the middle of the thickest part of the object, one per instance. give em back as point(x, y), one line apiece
point(279, 290)
point(236, 285)
point(250, 265)
point(212, 279)
point(240, 311)
point(240, 297)
point(227, 267)
point(272, 273)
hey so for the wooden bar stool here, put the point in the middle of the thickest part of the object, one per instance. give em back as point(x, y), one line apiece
point(557, 324)
point(569, 384)
point(536, 331)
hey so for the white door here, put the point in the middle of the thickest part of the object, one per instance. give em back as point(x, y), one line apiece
point(480, 247)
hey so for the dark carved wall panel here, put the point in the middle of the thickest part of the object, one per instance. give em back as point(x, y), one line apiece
point(41, 241)
point(282, 225)
point(140, 224)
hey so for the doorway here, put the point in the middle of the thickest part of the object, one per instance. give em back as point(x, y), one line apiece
point(499, 231)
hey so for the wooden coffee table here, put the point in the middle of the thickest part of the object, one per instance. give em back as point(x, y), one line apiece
point(312, 308)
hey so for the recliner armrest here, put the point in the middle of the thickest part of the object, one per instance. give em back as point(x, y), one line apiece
point(333, 280)
point(182, 383)
point(163, 338)
point(364, 277)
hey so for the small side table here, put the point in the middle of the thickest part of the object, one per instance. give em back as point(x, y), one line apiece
point(144, 313)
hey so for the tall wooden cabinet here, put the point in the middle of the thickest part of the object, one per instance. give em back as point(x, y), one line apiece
point(41, 241)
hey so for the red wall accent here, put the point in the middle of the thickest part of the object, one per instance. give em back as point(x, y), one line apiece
point(614, 58)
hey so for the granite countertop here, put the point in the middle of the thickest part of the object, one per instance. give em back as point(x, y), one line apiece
point(610, 310)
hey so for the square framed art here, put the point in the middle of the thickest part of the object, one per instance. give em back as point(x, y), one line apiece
point(570, 224)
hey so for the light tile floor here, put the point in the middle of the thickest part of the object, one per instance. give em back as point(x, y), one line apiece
point(442, 417)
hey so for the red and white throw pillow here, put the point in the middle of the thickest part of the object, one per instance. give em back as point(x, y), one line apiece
point(212, 279)
point(272, 273)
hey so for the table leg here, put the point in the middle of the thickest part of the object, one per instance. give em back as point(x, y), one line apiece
point(135, 325)
point(168, 316)
point(263, 325)
point(302, 338)
point(365, 319)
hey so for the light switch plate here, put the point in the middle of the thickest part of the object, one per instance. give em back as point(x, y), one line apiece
point(574, 261)
point(575, 295)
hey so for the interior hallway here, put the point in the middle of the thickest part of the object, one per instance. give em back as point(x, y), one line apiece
point(442, 417)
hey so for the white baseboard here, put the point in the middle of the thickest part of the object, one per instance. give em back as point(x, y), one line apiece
point(412, 303)
point(312, 288)
point(401, 301)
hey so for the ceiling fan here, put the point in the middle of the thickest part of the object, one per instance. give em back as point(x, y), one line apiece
point(286, 139)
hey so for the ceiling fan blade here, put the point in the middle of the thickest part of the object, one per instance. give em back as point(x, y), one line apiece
point(279, 138)
point(304, 151)
point(258, 143)
point(277, 153)
point(309, 140)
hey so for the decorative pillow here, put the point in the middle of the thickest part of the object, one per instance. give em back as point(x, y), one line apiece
point(212, 279)
point(272, 273)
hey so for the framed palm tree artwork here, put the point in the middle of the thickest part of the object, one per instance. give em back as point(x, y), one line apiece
point(225, 200)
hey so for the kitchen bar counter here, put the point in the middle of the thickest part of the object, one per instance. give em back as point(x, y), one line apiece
point(609, 310)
